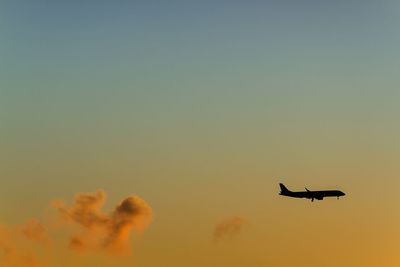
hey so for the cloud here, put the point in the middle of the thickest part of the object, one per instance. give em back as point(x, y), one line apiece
point(15, 251)
point(228, 228)
point(86, 210)
point(35, 231)
point(101, 231)
point(132, 213)
point(13, 257)
point(28, 244)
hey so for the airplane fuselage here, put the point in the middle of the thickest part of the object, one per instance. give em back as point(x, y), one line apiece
point(319, 195)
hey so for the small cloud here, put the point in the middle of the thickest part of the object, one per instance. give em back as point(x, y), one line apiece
point(132, 213)
point(77, 243)
point(228, 228)
point(14, 252)
point(35, 231)
point(100, 231)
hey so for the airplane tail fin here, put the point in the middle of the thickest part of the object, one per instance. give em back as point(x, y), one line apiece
point(283, 189)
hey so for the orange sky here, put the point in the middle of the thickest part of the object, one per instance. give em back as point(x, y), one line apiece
point(155, 134)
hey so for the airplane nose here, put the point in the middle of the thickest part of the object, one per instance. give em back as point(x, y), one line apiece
point(343, 194)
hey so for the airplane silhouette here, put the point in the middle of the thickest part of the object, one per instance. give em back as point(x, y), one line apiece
point(310, 194)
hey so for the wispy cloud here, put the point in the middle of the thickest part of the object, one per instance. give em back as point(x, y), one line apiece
point(228, 228)
point(36, 231)
point(100, 230)
point(97, 230)
point(15, 250)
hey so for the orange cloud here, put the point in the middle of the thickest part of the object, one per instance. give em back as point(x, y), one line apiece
point(96, 230)
point(228, 228)
point(14, 251)
point(132, 213)
point(13, 257)
point(104, 231)
point(35, 231)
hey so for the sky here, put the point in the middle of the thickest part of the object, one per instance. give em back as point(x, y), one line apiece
point(154, 133)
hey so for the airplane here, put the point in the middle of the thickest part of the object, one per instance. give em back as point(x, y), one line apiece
point(319, 195)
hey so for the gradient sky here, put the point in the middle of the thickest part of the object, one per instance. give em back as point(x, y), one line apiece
point(201, 108)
